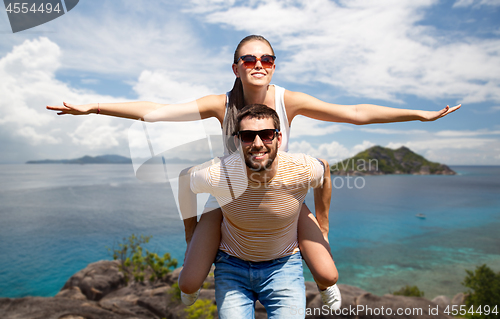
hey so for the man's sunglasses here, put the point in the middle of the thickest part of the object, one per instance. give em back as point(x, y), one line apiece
point(266, 136)
point(249, 61)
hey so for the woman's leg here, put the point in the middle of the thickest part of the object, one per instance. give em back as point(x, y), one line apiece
point(201, 252)
point(316, 250)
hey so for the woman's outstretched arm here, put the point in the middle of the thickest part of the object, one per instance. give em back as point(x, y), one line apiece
point(302, 104)
point(205, 107)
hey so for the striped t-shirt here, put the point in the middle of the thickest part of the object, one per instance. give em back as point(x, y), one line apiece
point(260, 219)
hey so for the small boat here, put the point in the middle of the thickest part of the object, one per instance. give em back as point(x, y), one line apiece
point(421, 216)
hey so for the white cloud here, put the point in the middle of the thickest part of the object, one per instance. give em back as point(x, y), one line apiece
point(126, 43)
point(305, 126)
point(333, 152)
point(361, 147)
point(164, 87)
point(365, 48)
point(118, 41)
point(121, 41)
point(463, 3)
point(440, 144)
point(203, 6)
point(451, 151)
point(455, 151)
point(99, 133)
point(475, 3)
point(26, 67)
point(35, 138)
point(371, 49)
point(466, 133)
point(29, 84)
point(426, 134)
point(90, 81)
point(392, 131)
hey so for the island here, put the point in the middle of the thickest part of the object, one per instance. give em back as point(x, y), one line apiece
point(114, 159)
point(102, 159)
point(378, 160)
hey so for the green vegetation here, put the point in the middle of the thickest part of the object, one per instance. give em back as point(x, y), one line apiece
point(202, 308)
point(484, 298)
point(381, 160)
point(409, 291)
point(137, 263)
point(175, 292)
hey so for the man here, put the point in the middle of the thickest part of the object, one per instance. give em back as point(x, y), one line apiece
point(260, 191)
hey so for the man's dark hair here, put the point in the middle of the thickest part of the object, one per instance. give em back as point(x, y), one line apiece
point(258, 111)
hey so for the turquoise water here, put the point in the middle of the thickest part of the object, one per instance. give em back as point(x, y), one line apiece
point(56, 219)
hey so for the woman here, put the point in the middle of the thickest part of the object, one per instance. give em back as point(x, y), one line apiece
point(254, 67)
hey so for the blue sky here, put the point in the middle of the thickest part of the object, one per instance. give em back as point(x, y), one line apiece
point(420, 54)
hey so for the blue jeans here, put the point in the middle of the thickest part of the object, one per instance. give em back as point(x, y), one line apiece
point(278, 284)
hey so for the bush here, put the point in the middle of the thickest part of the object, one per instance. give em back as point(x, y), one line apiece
point(134, 264)
point(175, 292)
point(202, 308)
point(485, 293)
point(408, 291)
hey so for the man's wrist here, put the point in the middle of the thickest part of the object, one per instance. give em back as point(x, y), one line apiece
point(325, 230)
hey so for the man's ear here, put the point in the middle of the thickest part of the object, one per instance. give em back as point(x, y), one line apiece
point(236, 141)
point(279, 139)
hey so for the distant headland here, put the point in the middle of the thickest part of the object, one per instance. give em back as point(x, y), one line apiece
point(379, 160)
point(103, 159)
point(376, 160)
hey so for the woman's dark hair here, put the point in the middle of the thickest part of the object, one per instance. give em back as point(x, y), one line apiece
point(236, 98)
point(258, 111)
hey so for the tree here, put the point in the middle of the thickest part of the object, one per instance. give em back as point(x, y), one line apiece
point(408, 291)
point(202, 308)
point(134, 264)
point(484, 294)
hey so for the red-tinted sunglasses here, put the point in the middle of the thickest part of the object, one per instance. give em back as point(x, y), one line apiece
point(266, 136)
point(249, 61)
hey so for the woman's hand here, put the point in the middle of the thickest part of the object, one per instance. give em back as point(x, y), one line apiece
point(73, 109)
point(434, 115)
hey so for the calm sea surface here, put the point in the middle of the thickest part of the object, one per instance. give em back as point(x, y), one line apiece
point(56, 219)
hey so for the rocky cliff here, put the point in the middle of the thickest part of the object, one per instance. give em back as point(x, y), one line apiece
point(99, 292)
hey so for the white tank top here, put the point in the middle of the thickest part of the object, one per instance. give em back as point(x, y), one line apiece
point(279, 104)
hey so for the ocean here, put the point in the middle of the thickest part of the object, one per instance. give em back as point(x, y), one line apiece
point(56, 219)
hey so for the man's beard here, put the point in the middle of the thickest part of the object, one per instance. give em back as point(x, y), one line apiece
point(258, 167)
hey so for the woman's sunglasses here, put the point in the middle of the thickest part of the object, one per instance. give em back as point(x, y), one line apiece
point(249, 61)
point(266, 136)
